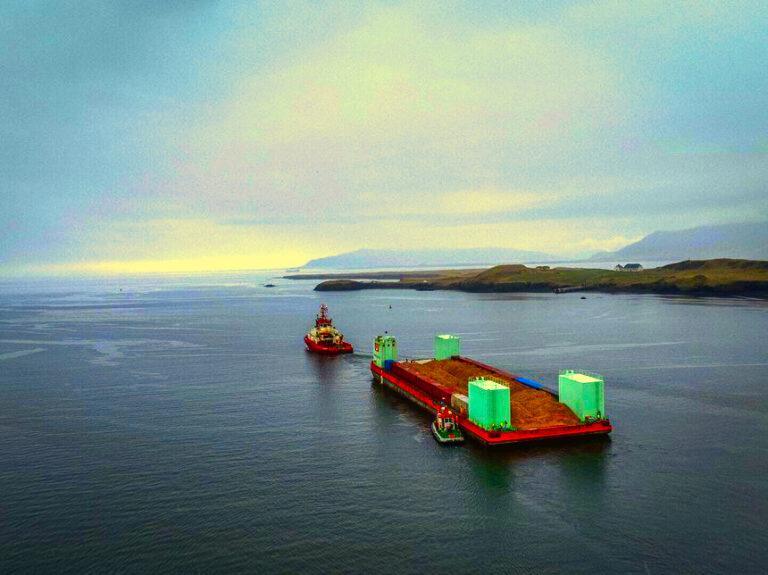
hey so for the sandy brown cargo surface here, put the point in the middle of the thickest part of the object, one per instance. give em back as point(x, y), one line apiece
point(531, 408)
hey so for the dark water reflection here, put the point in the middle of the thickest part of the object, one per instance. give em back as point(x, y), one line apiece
point(179, 425)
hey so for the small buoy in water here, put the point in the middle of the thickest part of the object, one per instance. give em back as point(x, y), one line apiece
point(583, 297)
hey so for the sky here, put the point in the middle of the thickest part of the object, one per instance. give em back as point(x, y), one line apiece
point(154, 136)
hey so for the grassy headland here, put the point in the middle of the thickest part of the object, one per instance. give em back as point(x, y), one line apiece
point(696, 277)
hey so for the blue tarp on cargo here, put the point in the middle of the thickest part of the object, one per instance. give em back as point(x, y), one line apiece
point(530, 382)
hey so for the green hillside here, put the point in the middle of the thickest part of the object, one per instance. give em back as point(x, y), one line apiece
point(704, 277)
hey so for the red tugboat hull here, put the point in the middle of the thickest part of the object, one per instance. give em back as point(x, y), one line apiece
point(428, 394)
point(314, 347)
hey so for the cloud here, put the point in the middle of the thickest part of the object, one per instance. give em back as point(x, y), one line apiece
point(187, 132)
point(83, 86)
point(400, 108)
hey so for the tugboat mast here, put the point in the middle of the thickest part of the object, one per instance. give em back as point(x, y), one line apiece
point(322, 316)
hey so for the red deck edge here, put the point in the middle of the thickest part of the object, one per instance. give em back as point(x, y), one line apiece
point(317, 348)
point(490, 437)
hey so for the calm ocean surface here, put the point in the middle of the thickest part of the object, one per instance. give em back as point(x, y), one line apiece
point(178, 425)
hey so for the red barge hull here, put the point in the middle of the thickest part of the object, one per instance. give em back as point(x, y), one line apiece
point(429, 395)
point(315, 347)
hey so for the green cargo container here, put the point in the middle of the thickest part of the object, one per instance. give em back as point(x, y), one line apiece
point(488, 403)
point(447, 346)
point(583, 393)
point(384, 348)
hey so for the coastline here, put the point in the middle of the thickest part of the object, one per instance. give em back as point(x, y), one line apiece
point(721, 277)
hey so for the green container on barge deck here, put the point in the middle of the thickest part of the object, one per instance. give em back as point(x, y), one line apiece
point(584, 393)
point(447, 346)
point(488, 403)
point(384, 349)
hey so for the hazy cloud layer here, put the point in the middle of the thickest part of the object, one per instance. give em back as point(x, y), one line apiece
point(183, 135)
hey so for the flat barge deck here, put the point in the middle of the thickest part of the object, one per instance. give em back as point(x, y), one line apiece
point(536, 413)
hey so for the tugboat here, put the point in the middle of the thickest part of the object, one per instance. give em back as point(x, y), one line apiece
point(444, 427)
point(324, 337)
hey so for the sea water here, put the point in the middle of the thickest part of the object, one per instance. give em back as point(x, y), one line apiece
point(177, 424)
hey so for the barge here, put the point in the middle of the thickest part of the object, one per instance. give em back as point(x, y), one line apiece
point(491, 405)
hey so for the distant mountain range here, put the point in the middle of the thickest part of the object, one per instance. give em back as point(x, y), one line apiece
point(747, 241)
point(371, 258)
